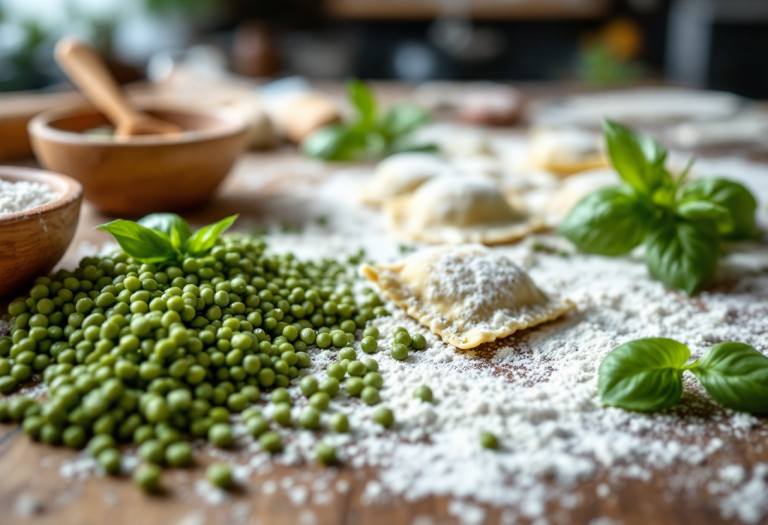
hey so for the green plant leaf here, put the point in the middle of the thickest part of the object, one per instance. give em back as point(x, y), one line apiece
point(170, 224)
point(683, 255)
point(732, 196)
point(638, 159)
point(611, 221)
point(402, 119)
point(362, 99)
point(334, 142)
point(204, 238)
point(703, 211)
point(144, 244)
point(645, 374)
point(736, 376)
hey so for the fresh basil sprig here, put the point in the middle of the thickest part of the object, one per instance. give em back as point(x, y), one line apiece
point(646, 375)
point(370, 134)
point(681, 225)
point(164, 237)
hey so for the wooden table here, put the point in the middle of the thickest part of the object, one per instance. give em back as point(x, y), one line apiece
point(32, 491)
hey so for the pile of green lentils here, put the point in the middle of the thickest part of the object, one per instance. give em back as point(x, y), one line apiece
point(133, 352)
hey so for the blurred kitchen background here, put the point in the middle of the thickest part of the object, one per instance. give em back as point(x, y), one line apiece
point(714, 44)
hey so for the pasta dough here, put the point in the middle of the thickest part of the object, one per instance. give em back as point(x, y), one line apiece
point(400, 174)
point(565, 151)
point(468, 295)
point(459, 209)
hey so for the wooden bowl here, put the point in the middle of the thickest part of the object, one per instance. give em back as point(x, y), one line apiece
point(34, 240)
point(142, 174)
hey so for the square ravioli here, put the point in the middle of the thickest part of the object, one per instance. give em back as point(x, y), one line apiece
point(468, 294)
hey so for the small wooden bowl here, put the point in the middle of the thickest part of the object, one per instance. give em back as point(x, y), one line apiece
point(142, 174)
point(34, 240)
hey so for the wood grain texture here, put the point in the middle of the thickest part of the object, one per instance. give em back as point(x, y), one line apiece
point(260, 182)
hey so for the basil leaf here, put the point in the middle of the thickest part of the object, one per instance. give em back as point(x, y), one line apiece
point(146, 245)
point(638, 159)
point(362, 98)
point(697, 210)
point(204, 238)
point(645, 374)
point(732, 196)
point(611, 221)
point(683, 255)
point(334, 142)
point(403, 119)
point(736, 376)
point(168, 223)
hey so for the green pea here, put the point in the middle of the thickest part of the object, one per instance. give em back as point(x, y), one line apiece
point(220, 435)
point(109, 460)
point(348, 326)
point(179, 454)
point(237, 402)
point(32, 426)
point(370, 395)
point(336, 370)
point(384, 417)
point(403, 338)
point(320, 400)
point(147, 478)
point(354, 385)
point(489, 440)
point(398, 329)
point(424, 393)
point(347, 353)
point(281, 413)
point(326, 453)
point(418, 342)
point(310, 418)
point(256, 425)
point(369, 345)
point(100, 443)
point(270, 441)
point(325, 340)
point(356, 368)
point(74, 436)
point(340, 423)
point(308, 336)
point(373, 379)
point(330, 386)
point(7, 384)
point(220, 475)
point(399, 352)
point(339, 339)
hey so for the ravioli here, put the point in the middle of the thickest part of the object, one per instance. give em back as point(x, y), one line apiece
point(400, 174)
point(468, 294)
point(565, 151)
point(457, 209)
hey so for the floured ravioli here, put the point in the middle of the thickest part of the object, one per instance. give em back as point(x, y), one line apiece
point(565, 151)
point(457, 209)
point(468, 295)
point(400, 174)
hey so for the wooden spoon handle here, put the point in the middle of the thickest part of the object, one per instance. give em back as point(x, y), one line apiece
point(87, 70)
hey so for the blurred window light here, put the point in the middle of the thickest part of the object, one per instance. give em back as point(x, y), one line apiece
point(415, 62)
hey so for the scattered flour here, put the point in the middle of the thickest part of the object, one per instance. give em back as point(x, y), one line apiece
point(23, 195)
point(537, 390)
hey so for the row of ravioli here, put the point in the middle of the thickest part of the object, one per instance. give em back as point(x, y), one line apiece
point(486, 189)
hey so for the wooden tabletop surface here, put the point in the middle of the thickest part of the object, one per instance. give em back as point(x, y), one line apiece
point(33, 491)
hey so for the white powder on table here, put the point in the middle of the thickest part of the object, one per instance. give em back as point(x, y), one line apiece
point(538, 393)
point(23, 195)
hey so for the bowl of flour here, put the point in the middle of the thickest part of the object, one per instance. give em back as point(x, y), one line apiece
point(39, 211)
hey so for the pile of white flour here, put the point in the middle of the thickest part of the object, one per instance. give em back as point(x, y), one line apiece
point(23, 195)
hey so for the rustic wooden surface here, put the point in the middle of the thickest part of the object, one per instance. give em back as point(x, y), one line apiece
point(32, 491)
